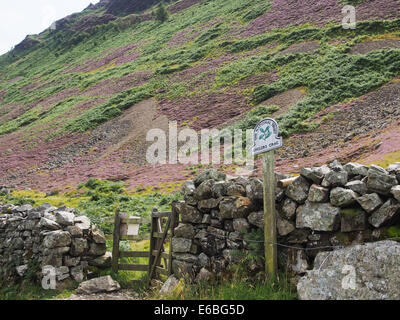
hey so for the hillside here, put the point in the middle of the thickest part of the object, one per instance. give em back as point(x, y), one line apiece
point(76, 102)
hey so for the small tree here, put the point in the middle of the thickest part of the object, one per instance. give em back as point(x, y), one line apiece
point(161, 13)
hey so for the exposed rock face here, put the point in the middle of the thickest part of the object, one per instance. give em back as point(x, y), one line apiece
point(26, 44)
point(361, 272)
point(48, 237)
point(125, 7)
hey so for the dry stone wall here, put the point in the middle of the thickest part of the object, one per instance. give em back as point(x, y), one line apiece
point(34, 238)
point(324, 208)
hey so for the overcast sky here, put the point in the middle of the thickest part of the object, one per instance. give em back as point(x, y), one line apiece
point(18, 18)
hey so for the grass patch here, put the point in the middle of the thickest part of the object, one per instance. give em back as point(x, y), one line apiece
point(97, 199)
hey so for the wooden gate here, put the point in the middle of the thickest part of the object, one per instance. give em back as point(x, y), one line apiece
point(160, 261)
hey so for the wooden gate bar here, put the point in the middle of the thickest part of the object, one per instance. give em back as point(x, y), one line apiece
point(153, 267)
point(152, 239)
point(133, 267)
point(134, 254)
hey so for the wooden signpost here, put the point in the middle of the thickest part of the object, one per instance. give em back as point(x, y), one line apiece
point(266, 140)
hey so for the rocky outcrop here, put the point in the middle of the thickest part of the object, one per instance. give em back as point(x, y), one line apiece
point(98, 285)
point(32, 239)
point(125, 7)
point(361, 272)
point(28, 43)
point(324, 208)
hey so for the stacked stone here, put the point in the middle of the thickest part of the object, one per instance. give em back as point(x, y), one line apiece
point(48, 236)
point(324, 207)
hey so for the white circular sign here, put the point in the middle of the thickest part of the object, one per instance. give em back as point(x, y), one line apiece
point(266, 136)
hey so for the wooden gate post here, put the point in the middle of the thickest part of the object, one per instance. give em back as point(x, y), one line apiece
point(116, 239)
point(271, 264)
point(266, 140)
point(152, 240)
point(174, 221)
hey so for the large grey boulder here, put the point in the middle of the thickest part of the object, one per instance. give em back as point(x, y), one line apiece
point(341, 197)
point(318, 217)
point(97, 285)
point(389, 211)
point(361, 272)
point(380, 181)
point(298, 190)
